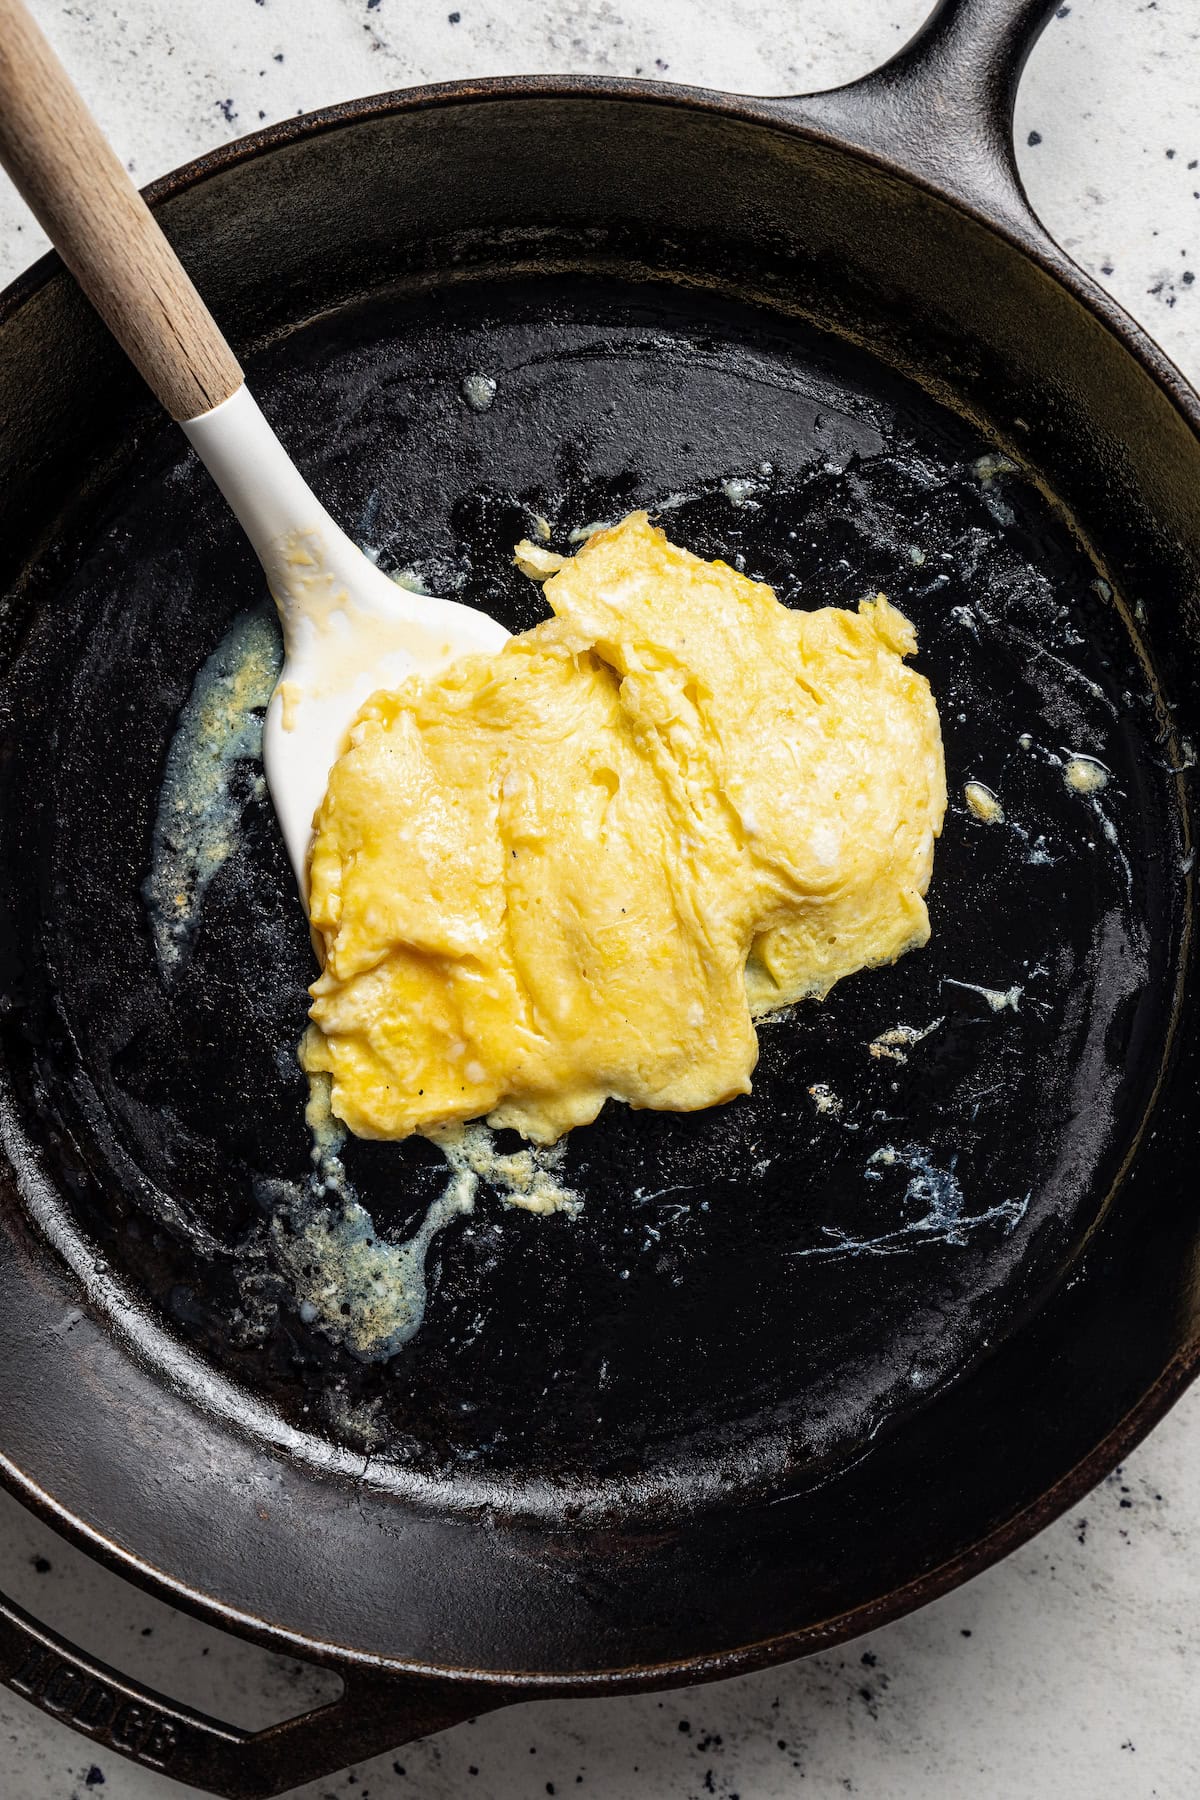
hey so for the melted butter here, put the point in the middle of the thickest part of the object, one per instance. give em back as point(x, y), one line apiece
point(580, 867)
point(983, 803)
point(824, 1098)
point(945, 1218)
point(363, 1290)
point(479, 392)
point(991, 464)
point(412, 581)
point(359, 1287)
point(999, 999)
point(524, 1178)
point(895, 1044)
point(1084, 775)
point(200, 803)
point(327, 1132)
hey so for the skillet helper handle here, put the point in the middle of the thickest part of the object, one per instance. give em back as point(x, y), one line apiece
point(70, 176)
point(375, 1712)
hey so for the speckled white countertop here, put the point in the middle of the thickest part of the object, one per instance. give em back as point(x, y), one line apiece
point(1070, 1671)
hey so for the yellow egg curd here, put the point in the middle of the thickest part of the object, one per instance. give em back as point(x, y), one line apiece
point(579, 868)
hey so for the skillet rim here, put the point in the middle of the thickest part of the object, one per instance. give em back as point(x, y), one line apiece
point(1019, 227)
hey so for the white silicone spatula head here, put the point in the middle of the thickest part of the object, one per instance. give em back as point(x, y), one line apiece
point(347, 629)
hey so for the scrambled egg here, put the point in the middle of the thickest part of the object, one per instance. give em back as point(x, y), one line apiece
point(580, 867)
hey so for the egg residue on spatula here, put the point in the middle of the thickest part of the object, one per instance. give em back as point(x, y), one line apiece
point(580, 867)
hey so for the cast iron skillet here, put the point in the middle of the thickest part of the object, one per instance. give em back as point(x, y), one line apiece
point(791, 1372)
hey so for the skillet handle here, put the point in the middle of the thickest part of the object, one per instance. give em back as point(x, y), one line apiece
point(942, 107)
point(375, 1712)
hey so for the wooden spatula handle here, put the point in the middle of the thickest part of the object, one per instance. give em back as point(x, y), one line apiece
point(69, 174)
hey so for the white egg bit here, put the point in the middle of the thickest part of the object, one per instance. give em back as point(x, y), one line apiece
point(347, 629)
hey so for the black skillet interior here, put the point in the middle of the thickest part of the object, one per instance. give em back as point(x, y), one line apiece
point(750, 1295)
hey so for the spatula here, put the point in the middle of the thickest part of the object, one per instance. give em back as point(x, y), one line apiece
point(347, 629)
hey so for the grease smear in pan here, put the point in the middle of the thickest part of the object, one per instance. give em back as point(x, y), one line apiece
point(211, 771)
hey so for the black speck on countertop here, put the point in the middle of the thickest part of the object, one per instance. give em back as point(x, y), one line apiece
point(94, 1777)
point(227, 111)
point(1035, 137)
point(42, 1564)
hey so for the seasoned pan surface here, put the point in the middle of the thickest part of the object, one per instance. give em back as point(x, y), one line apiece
point(751, 1296)
point(791, 1370)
